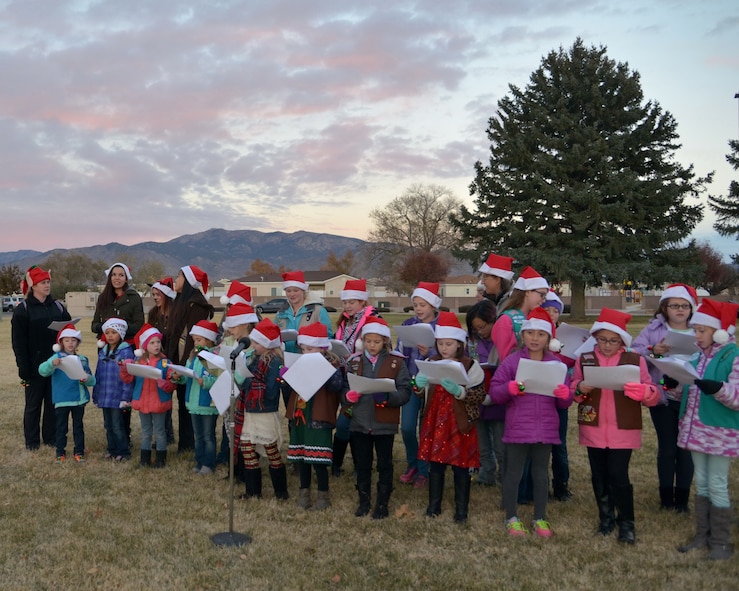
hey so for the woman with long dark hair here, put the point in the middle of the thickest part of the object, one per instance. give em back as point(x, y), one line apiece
point(119, 300)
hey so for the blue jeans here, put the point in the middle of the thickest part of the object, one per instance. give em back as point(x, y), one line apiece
point(712, 478)
point(674, 464)
point(115, 432)
point(490, 441)
point(204, 429)
point(153, 423)
point(342, 427)
point(409, 423)
point(62, 428)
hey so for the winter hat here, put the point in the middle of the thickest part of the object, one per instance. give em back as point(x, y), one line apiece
point(553, 301)
point(539, 319)
point(267, 334)
point(615, 321)
point(239, 314)
point(355, 289)
point(682, 291)
point(497, 265)
point(143, 337)
point(530, 280)
point(448, 327)
point(206, 329)
point(429, 292)
point(376, 325)
point(34, 275)
point(294, 279)
point(122, 266)
point(68, 331)
point(718, 315)
point(117, 324)
point(237, 293)
point(166, 286)
point(314, 335)
point(196, 277)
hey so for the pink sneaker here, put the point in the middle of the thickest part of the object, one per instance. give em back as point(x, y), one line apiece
point(408, 476)
point(515, 528)
point(542, 528)
point(421, 481)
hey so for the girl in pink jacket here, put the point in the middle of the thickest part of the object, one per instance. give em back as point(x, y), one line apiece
point(610, 421)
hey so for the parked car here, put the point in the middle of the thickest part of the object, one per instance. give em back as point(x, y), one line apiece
point(271, 306)
point(10, 303)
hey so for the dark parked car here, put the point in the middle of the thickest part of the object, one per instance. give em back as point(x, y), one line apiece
point(271, 306)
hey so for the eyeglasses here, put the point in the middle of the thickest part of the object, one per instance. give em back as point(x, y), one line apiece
point(679, 306)
point(542, 293)
point(605, 341)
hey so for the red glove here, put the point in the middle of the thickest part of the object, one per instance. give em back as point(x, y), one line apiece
point(635, 391)
point(352, 396)
point(562, 392)
point(516, 388)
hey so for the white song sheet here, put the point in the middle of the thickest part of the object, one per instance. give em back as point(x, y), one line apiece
point(611, 378)
point(308, 374)
point(541, 377)
point(444, 368)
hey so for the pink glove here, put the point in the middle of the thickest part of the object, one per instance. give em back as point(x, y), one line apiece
point(352, 396)
point(635, 391)
point(562, 392)
point(515, 388)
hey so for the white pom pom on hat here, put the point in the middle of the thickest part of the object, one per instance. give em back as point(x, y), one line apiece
point(719, 315)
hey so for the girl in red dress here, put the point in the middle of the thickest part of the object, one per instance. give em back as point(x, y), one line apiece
point(448, 434)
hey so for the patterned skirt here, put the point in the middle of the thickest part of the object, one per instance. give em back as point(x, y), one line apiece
point(310, 442)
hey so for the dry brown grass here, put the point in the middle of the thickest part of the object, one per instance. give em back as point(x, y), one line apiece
point(112, 526)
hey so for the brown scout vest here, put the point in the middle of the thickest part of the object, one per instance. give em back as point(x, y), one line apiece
point(325, 405)
point(628, 411)
point(389, 369)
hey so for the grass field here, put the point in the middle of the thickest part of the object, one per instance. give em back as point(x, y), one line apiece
point(114, 526)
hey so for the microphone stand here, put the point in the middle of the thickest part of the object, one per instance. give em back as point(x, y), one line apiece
point(230, 537)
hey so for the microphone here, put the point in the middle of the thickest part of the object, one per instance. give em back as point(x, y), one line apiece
point(243, 344)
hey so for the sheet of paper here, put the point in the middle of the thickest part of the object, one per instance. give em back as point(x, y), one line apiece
point(445, 368)
point(541, 377)
point(308, 374)
point(681, 343)
point(181, 369)
point(72, 366)
point(572, 338)
point(57, 325)
point(289, 335)
point(213, 360)
point(221, 392)
point(678, 369)
point(612, 378)
point(339, 348)
point(290, 358)
point(586, 347)
point(241, 360)
point(365, 385)
point(416, 334)
point(144, 371)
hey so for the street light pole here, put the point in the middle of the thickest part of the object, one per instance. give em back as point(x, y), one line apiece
point(736, 96)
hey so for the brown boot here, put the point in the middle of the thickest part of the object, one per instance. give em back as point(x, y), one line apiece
point(702, 525)
point(304, 501)
point(719, 537)
point(322, 501)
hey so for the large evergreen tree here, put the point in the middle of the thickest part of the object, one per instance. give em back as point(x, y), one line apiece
point(727, 208)
point(582, 181)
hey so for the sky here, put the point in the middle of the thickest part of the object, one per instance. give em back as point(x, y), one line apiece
point(146, 120)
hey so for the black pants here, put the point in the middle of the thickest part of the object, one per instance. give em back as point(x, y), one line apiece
point(62, 428)
point(610, 466)
point(674, 464)
point(364, 445)
point(517, 456)
point(39, 421)
point(186, 439)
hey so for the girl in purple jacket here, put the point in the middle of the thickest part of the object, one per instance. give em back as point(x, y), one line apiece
point(531, 423)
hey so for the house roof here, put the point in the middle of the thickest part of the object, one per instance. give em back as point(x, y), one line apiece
point(310, 277)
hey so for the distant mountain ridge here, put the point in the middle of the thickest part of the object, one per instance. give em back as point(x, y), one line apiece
point(220, 253)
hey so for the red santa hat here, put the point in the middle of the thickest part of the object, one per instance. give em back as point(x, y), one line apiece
point(294, 279)
point(123, 266)
point(498, 265)
point(376, 325)
point(682, 291)
point(267, 334)
point(530, 280)
point(34, 275)
point(239, 314)
point(166, 286)
point(206, 329)
point(196, 277)
point(355, 289)
point(615, 321)
point(718, 315)
point(539, 319)
point(142, 338)
point(117, 324)
point(68, 331)
point(448, 327)
point(428, 292)
point(237, 293)
point(314, 335)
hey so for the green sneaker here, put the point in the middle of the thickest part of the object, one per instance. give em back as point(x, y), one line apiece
point(515, 528)
point(79, 458)
point(60, 459)
point(542, 528)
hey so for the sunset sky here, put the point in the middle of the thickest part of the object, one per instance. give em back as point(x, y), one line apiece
point(143, 120)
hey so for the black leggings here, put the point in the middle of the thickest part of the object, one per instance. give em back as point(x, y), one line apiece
point(516, 456)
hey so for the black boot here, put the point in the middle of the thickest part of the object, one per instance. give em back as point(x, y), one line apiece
point(561, 492)
point(604, 501)
point(279, 482)
point(145, 458)
point(666, 498)
point(623, 497)
point(160, 459)
point(462, 482)
point(253, 480)
point(383, 498)
point(364, 489)
point(682, 495)
point(436, 493)
point(340, 446)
